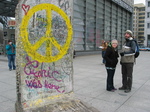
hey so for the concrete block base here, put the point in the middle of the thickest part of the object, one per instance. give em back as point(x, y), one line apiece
point(65, 106)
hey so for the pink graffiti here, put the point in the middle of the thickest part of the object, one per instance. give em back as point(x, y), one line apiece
point(33, 83)
point(52, 86)
point(37, 84)
point(31, 66)
point(25, 8)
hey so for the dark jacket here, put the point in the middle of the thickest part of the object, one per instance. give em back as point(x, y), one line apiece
point(111, 57)
point(128, 52)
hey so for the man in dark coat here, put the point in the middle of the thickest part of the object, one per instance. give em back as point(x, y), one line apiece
point(127, 61)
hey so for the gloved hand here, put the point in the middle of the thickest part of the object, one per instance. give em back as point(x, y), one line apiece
point(121, 54)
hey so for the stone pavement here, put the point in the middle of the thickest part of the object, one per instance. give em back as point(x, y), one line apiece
point(90, 85)
point(3, 58)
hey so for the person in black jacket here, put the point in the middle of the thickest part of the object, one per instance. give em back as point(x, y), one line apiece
point(111, 57)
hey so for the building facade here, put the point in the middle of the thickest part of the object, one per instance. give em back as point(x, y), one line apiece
point(97, 20)
point(147, 24)
point(138, 23)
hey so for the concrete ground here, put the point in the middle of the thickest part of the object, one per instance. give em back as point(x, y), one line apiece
point(90, 85)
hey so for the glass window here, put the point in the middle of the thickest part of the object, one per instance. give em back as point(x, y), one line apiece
point(79, 47)
point(142, 9)
point(141, 21)
point(90, 6)
point(100, 5)
point(141, 13)
point(91, 2)
point(97, 20)
point(90, 46)
point(141, 33)
point(79, 2)
point(148, 15)
point(141, 25)
point(78, 14)
point(79, 34)
point(148, 3)
point(141, 29)
point(148, 36)
point(79, 8)
point(101, 1)
point(148, 25)
point(78, 21)
point(141, 17)
point(107, 3)
point(79, 40)
point(79, 25)
point(90, 12)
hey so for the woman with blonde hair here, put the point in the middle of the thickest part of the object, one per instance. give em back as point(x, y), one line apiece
point(111, 57)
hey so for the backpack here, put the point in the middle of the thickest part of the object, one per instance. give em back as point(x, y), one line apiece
point(137, 50)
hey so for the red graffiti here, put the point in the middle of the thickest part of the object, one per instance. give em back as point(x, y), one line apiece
point(25, 8)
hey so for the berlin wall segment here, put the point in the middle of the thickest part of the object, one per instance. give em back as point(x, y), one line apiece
point(44, 58)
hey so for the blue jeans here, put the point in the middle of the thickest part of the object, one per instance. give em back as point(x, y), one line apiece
point(11, 61)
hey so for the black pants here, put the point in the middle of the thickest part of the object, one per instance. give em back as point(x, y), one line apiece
point(127, 70)
point(74, 54)
point(110, 76)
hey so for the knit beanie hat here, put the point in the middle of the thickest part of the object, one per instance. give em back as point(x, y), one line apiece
point(129, 32)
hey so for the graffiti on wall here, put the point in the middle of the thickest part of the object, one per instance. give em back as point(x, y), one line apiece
point(48, 37)
point(45, 56)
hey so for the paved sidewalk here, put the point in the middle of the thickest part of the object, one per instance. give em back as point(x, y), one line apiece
point(90, 85)
point(3, 58)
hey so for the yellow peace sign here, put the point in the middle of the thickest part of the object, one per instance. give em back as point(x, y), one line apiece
point(31, 49)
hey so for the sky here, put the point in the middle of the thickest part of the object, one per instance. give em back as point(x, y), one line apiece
point(139, 1)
